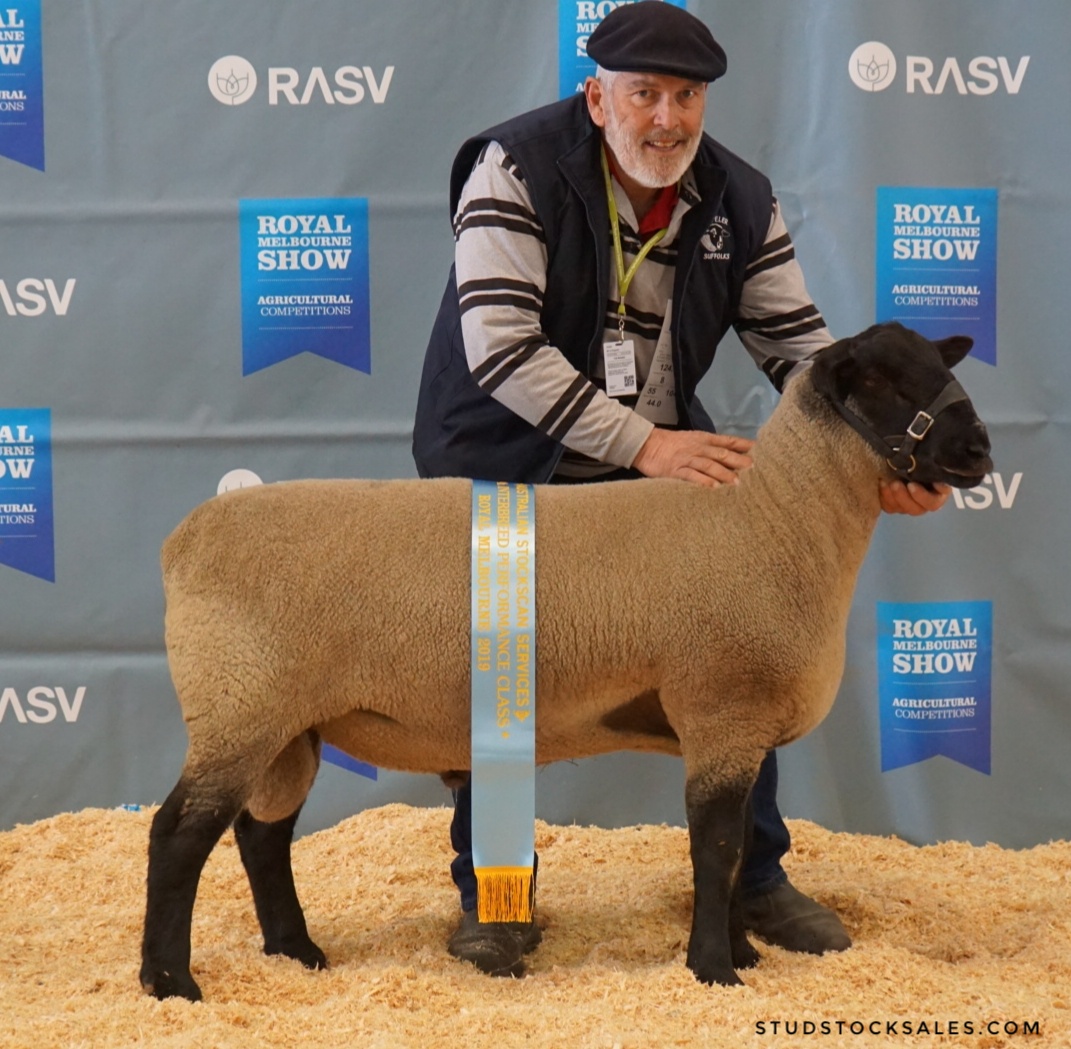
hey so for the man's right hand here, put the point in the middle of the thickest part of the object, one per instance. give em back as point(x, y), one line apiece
point(708, 459)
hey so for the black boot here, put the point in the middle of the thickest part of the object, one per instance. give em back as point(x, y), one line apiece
point(786, 918)
point(497, 948)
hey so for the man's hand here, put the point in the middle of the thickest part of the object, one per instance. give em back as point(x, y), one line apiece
point(703, 458)
point(911, 498)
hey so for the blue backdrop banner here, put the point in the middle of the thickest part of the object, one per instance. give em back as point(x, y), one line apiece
point(937, 263)
point(305, 281)
point(934, 682)
point(22, 104)
point(26, 525)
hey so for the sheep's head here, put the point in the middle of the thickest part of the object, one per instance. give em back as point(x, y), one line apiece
point(896, 388)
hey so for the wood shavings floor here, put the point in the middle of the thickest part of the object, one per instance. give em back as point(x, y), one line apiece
point(955, 945)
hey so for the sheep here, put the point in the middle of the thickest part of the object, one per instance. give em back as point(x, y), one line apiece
point(338, 611)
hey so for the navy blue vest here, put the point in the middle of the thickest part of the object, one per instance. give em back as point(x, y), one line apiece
point(463, 432)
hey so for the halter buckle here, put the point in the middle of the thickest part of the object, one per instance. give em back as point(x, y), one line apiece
point(923, 419)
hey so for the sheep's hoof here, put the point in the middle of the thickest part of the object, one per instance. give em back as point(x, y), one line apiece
point(745, 956)
point(713, 971)
point(724, 977)
point(163, 985)
point(303, 950)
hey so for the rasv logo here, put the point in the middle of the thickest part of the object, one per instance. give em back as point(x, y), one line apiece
point(992, 487)
point(42, 704)
point(232, 80)
point(873, 66)
point(32, 297)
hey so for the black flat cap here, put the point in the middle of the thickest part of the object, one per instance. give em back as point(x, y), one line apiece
point(653, 36)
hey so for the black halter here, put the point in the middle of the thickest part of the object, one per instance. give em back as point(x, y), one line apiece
point(898, 449)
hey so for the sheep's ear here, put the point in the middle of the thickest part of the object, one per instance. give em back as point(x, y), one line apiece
point(954, 349)
point(833, 371)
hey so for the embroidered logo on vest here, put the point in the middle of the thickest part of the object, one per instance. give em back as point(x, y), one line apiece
point(717, 242)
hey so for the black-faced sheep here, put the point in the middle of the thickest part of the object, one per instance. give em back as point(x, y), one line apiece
point(338, 611)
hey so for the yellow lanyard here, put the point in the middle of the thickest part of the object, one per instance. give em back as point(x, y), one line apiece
point(624, 277)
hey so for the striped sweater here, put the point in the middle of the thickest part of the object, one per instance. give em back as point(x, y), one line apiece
point(501, 263)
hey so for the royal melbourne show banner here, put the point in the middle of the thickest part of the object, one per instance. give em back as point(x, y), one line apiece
point(22, 104)
point(937, 263)
point(26, 529)
point(304, 281)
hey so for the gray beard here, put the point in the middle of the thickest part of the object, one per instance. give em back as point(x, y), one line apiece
point(648, 171)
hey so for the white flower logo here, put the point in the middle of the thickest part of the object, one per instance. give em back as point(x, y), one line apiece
point(232, 80)
point(872, 66)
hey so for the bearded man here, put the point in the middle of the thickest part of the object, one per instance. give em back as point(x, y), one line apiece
point(604, 246)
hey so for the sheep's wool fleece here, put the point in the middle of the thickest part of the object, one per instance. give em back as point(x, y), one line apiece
point(944, 934)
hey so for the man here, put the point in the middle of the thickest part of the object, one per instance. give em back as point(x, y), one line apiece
point(604, 245)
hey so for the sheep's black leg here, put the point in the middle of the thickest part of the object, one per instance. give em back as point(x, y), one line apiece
point(716, 833)
point(743, 952)
point(265, 852)
point(184, 832)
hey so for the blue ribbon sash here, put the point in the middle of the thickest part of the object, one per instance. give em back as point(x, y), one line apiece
point(503, 698)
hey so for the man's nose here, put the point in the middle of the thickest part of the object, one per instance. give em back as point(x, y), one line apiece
point(666, 113)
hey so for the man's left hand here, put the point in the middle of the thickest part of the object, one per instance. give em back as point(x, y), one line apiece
point(911, 498)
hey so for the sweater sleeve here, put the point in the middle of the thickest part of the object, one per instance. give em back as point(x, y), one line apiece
point(777, 322)
point(501, 261)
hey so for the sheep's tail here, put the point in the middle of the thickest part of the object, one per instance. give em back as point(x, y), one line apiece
point(505, 894)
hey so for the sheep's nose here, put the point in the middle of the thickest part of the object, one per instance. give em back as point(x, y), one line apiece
point(979, 444)
point(978, 447)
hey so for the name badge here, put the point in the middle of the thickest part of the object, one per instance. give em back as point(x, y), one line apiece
point(619, 362)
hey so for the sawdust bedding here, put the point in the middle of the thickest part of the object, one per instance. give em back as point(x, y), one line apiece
point(954, 945)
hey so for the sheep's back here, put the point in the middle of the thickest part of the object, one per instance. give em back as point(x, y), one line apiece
point(350, 601)
point(387, 563)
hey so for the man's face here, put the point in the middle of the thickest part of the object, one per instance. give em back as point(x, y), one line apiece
point(652, 123)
